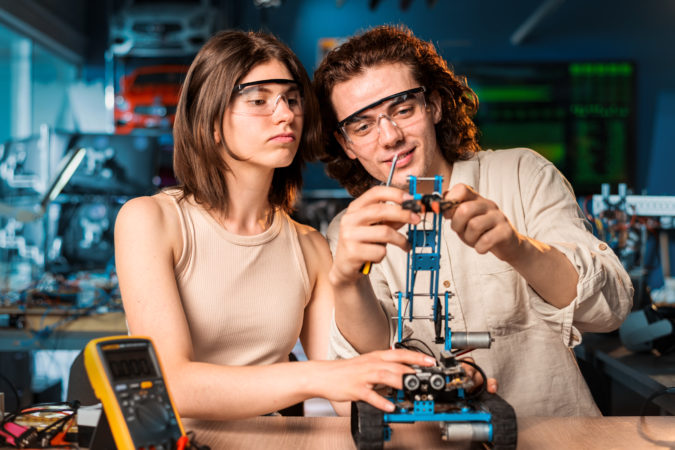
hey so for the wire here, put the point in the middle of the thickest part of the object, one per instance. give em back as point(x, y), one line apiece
point(14, 391)
point(404, 344)
point(193, 444)
point(48, 433)
point(660, 392)
point(483, 386)
point(643, 422)
point(462, 352)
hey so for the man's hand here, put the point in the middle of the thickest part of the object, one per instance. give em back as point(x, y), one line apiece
point(477, 378)
point(480, 224)
point(369, 224)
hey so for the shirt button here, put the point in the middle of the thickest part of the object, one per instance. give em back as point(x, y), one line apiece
point(602, 246)
point(446, 283)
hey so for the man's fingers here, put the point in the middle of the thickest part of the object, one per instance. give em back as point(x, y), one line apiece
point(492, 385)
point(460, 193)
point(379, 194)
point(377, 234)
point(477, 227)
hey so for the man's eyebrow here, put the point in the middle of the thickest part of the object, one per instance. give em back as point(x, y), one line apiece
point(355, 118)
point(400, 99)
point(388, 103)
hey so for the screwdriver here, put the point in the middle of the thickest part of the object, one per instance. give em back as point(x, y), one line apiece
point(365, 268)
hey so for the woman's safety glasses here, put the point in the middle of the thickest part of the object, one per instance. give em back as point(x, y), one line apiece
point(261, 98)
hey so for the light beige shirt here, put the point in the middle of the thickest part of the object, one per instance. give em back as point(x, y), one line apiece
point(244, 296)
point(531, 356)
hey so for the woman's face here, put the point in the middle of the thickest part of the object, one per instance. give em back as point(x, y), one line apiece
point(262, 124)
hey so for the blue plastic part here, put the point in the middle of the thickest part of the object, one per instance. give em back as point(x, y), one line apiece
point(448, 331)
point(400, 321)
point(425, 238)
point(423, 407)
point(439, 417)
point(429, 261)
point(425, 255)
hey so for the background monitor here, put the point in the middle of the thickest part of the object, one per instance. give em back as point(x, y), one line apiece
point(579, 115)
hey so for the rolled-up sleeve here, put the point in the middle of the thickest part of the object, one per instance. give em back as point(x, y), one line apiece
point(604, 289)
point(340, 348)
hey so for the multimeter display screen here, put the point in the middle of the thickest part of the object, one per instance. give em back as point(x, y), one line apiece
point(130, 364)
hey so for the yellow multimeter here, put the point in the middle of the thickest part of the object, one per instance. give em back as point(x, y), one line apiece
point(127, 377)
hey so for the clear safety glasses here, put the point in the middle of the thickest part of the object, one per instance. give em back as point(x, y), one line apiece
point(401, 110)
point(261, 98)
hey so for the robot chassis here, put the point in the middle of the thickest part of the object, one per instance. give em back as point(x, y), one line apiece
point(441, 393)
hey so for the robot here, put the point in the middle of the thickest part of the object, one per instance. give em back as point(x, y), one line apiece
point(443, 393)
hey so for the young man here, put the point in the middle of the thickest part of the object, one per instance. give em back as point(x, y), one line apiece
point(517, 253)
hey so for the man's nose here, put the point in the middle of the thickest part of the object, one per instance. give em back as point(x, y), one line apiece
point(389, 132)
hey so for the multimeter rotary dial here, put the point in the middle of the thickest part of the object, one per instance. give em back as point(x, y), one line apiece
point(152, 415)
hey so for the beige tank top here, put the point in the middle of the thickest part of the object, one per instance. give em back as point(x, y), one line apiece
point(244, 296)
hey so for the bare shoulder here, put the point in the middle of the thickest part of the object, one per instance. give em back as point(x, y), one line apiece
point(153, 217)
point(314, 246)
point(154, 210)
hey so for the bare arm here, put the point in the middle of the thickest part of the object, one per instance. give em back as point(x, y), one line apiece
point(483, 226)
point(147, 245)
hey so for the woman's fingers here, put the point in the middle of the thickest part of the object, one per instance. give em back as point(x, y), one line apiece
point(408, 357)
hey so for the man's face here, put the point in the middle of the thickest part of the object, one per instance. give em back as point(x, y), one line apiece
point(402, 125)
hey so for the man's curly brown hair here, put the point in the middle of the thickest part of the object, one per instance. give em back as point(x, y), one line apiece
point(456, 133)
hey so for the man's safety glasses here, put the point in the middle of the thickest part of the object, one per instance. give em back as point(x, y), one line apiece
point(401, 110)
point(261, 98)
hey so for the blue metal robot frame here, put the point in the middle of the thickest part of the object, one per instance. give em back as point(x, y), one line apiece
point(425, 256)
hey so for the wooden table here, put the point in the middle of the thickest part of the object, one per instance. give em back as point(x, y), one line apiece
point(280, 433)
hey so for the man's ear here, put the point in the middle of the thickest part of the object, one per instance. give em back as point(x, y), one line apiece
point(435, 107)
point(344, 144)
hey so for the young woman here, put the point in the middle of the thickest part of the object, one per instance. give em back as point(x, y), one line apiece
point(215, 271)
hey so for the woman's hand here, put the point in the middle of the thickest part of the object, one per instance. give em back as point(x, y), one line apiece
point(356, 378)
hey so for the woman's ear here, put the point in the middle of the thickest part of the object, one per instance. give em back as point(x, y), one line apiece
point(216, 133)
point(435, 106)
point(344, 144)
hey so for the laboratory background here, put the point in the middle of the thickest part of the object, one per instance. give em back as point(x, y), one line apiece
point(88, 94)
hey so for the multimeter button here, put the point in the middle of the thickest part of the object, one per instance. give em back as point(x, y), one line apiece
point(146, 384)
point(121, 387)
point(152, 415)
